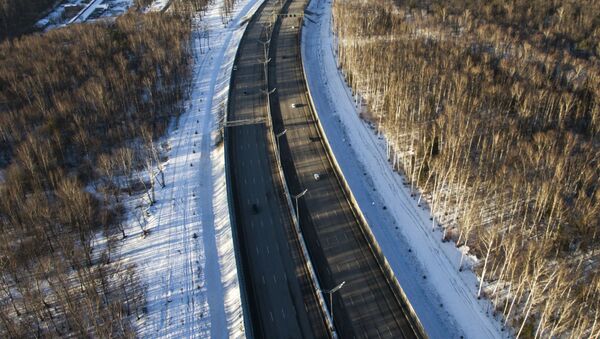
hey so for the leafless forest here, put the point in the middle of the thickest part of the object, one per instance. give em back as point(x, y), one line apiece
point(80, 108)
point(491, 109)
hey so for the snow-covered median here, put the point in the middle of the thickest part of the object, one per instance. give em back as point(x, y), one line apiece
point(186, 258)
point(427, 269)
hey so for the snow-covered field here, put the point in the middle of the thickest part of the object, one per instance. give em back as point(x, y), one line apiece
point(427, 269)
point(186, 261)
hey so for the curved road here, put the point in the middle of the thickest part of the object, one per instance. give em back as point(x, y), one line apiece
point(279, 295)
point(367, 306)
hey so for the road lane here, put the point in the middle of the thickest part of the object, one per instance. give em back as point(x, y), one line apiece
point(280, 296)
point(367, 305)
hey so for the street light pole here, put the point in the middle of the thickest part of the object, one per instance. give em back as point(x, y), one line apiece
point(280, 134)
point(296, 197)
point(331, 292)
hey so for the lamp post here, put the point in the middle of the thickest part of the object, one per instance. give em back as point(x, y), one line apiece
point(331, 292)
point(280, 134)
point(296, 197)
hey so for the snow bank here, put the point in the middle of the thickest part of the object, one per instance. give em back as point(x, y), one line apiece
point(187, 260)
point(158, 5)
point(427, 269)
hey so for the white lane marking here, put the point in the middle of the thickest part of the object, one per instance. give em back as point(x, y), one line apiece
point(263, 280)
point(256, 249)
point(282, 313)
point(268, 250)
point(271, 314)
point(274, 279)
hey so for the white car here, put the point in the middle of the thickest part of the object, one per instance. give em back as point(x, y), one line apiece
point(295, 105)
point(316, 176)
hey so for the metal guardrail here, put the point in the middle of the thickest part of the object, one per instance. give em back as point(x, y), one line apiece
point(414, 321)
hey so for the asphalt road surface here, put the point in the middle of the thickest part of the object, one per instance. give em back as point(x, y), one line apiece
point(280, 296)
point(367, 306)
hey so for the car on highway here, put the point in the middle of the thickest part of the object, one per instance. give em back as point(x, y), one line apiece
point(316, 176)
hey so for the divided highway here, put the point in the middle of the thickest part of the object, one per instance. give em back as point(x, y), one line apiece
point(277, 291)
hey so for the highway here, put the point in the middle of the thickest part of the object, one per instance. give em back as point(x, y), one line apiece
point(279, 294)
point(368, 305)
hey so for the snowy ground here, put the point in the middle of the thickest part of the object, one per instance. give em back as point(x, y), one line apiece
point(158, 5)
point(187, 261)
point(75, 11)
point(427, 269)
